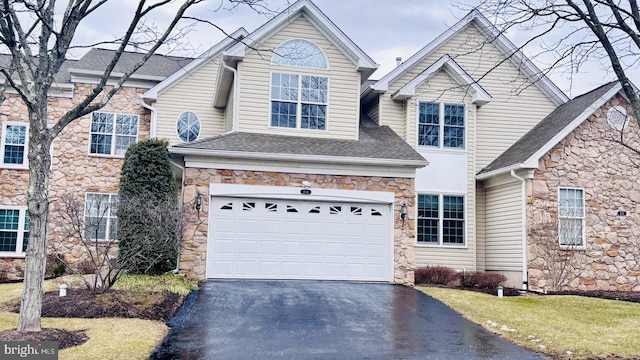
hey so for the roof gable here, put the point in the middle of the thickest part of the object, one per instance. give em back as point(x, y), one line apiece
point(527, 151)
point(448, 65)
point(202, 60)
point(495, 37)
point(317, 18)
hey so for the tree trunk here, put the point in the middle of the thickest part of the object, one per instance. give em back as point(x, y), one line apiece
point(38, 203)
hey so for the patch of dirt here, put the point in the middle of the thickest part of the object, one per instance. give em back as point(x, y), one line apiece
point(82, 303)
point(631, 296)
point(64, 338)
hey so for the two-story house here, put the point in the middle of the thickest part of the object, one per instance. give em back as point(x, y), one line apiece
point(298, 166)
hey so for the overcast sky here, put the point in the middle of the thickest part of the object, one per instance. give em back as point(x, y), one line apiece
point(384, 29)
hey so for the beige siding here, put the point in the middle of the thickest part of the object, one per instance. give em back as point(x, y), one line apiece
point(228, 111)
point(192, 93)
point(440, 88)
point(503, 227)
point(516, 107)
point(374, 111)
point(480, 229)
point(254, 89)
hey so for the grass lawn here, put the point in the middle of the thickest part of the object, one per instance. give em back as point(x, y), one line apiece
point(567, 326)
point(109, 338)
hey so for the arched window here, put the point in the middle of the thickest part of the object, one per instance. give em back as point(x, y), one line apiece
point(188, 126)
point(299, 52)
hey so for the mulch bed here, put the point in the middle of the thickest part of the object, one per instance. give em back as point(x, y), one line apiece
point(82, 303)
point(64, 338)
point(631, 296)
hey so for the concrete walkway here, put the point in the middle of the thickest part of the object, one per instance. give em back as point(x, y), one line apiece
point(324, 320)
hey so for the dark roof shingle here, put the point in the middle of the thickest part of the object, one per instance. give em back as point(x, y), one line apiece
point(546, 129)
point(375, 142)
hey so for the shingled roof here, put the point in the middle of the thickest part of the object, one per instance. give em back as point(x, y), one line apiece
point(375, 142)
point(157, 65)
point(62, 77)
point(555, 123)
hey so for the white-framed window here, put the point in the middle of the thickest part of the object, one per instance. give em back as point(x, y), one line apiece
point(14, 145)
point(441, 125)
point(299, 52)
point(571, 217)
point(111, 134)
point(100, 221)
point(299, 101)
point(441, 219)
point(14, 230)
point(188, 126)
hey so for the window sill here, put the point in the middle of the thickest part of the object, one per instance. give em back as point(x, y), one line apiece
point(440, 246)
point(106, 156)
point(14, 166)
point(12, 255)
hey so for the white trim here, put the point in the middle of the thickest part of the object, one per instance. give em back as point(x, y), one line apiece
point(441, 148)
point(25, 163)
point(114, 135)
point(583, 218)
point(63, 90)
point(475, 18)
point(308, 9)
point(440, 244)
point(194, 65)
point(523, 234)
point(199, 125)
point(326, 59)
point(18, 253)
point(299, 157)
point(479, 95)
point(298, 103)
point(95, 79)
point(293, 193)
point(302, 168)
point(108, 216)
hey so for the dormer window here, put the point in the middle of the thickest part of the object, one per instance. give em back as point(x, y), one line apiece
point(299, 52)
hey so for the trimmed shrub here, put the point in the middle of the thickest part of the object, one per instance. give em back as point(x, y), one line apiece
point(147, 187)
point(54, 266)
point(87, 267)
point(439, 275)
point(467, 278)
point(489, 280)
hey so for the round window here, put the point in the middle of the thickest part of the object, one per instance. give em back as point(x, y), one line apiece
point(617, 118)
point(188, 126)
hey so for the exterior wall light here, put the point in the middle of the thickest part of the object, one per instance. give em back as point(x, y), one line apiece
point(198, 202)
point(403, 212)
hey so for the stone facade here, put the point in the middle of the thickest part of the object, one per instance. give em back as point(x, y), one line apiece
point(194, 251)
point(589, 158)
point(73, 170)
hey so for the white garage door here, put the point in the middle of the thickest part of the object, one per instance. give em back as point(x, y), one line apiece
point(289, 239)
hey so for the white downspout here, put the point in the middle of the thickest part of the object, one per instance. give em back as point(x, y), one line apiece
point(525, 279)
point(234, 125)
point(154, 118)
point(183, 170)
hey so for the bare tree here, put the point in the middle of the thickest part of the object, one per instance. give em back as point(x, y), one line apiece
point(558, 245)
point(94, 225)
point(577, 32)
point(37, 35)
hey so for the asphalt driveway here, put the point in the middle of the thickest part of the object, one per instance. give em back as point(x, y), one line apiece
point(324, 320)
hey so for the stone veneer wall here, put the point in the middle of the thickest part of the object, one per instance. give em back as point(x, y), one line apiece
point(194, 251)
point(73, 170)
point(588, 158)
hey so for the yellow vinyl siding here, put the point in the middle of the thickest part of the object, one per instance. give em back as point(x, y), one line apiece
point(192, 93)
point(254, 86)
point(503, 227)
point(516, 106)
point(440, 88)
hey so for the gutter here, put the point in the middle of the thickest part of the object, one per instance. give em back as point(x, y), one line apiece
point(525, 278)
point(234, 125)
point(154, 117)
point(298, 157)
